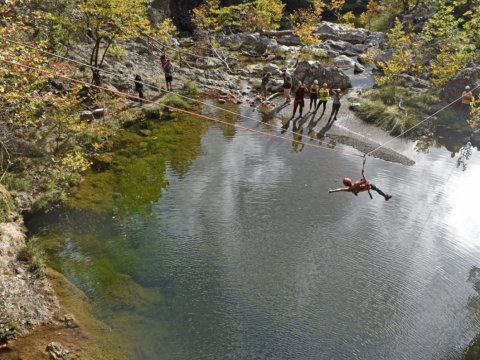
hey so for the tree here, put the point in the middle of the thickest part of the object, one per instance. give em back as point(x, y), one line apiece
point(250, 15)
point(449, 46)
point(336, 7)
point(107, 21)
point(373, 11)
point(304, 21)
point(401, 62)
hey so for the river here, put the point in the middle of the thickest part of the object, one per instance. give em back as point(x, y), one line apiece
point(225, 244)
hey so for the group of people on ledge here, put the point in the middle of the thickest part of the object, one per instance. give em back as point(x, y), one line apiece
point(319, 96)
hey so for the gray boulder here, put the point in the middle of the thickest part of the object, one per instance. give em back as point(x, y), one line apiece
point(453, 88)
point(99, 113)
point(86, 115)
point(358, 68)
point(344, 62)
point(272, 68)
point(289, 40)
point(247, 41)
point(340, 47)
point(413, 82)
point(308, 71)
point(57, 351)
point(328, 30)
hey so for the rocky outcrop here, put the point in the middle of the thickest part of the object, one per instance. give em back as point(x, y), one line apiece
point(26, 300)
point(308, 71)
point(248, 42)
point(453, 88)
point(332, 31)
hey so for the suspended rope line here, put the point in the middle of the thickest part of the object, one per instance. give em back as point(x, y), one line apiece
point(126, 95)
point(306, 137)
point(418, 124)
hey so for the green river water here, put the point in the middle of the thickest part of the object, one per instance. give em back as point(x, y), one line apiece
point(203, 242)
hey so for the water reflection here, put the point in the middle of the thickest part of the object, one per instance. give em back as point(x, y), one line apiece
point(245, 255)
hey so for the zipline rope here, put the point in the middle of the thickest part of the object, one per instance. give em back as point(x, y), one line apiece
point(151, 86)
point(126, 95)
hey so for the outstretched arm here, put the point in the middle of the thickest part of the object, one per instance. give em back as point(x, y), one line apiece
point(337, 190)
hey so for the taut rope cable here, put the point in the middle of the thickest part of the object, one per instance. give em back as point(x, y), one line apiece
point(151, 86)
point(418, 124)
point(126, 95)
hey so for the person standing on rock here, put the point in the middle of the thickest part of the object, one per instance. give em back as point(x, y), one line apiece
point(168, 70)
point(139, 87)
point(299, 101)
point(265, 80)
point(467, 98)
point(314, 95)
point(323, 93)
point(287, 86)
point(337, 95)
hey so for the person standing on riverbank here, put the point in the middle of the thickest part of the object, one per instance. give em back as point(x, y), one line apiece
point(337, 95)
point(168, 70)
point(467, 98)
point(265, 80)
point(139, 87)
point(323, 93)
point(287, 86)
point(299, 101)
point(314, 95)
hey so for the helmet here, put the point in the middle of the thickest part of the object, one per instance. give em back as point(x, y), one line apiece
point(347, 182)
point(467, 87)
point(324, 85)
point(315, 81)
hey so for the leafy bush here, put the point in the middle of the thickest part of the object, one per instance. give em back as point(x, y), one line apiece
point(34, 255)
point(190, 88)
point(175, 101)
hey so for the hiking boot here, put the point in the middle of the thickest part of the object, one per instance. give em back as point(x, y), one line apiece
point(387, 197)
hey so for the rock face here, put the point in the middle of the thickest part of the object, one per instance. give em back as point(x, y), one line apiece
point(26, 300)
point(308, 71)
point(454, 88)
point(57, 351)
point(328, 30)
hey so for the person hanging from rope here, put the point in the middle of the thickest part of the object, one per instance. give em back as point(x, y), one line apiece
point(139, 87)
point(323, 93)
point(168, 70)
point(314, 95)
point(360, 186)
point(299, 101)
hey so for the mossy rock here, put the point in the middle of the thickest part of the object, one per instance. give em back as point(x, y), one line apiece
point(6, 205)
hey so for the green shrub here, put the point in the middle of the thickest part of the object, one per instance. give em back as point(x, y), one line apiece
point(153, 112)
point(34, 255)
point(190, 88)
point(175, 101)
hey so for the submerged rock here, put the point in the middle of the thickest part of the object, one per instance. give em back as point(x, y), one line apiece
point(57, 351)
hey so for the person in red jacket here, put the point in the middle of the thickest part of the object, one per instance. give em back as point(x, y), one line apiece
point(299, 101)
point(360, 186)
